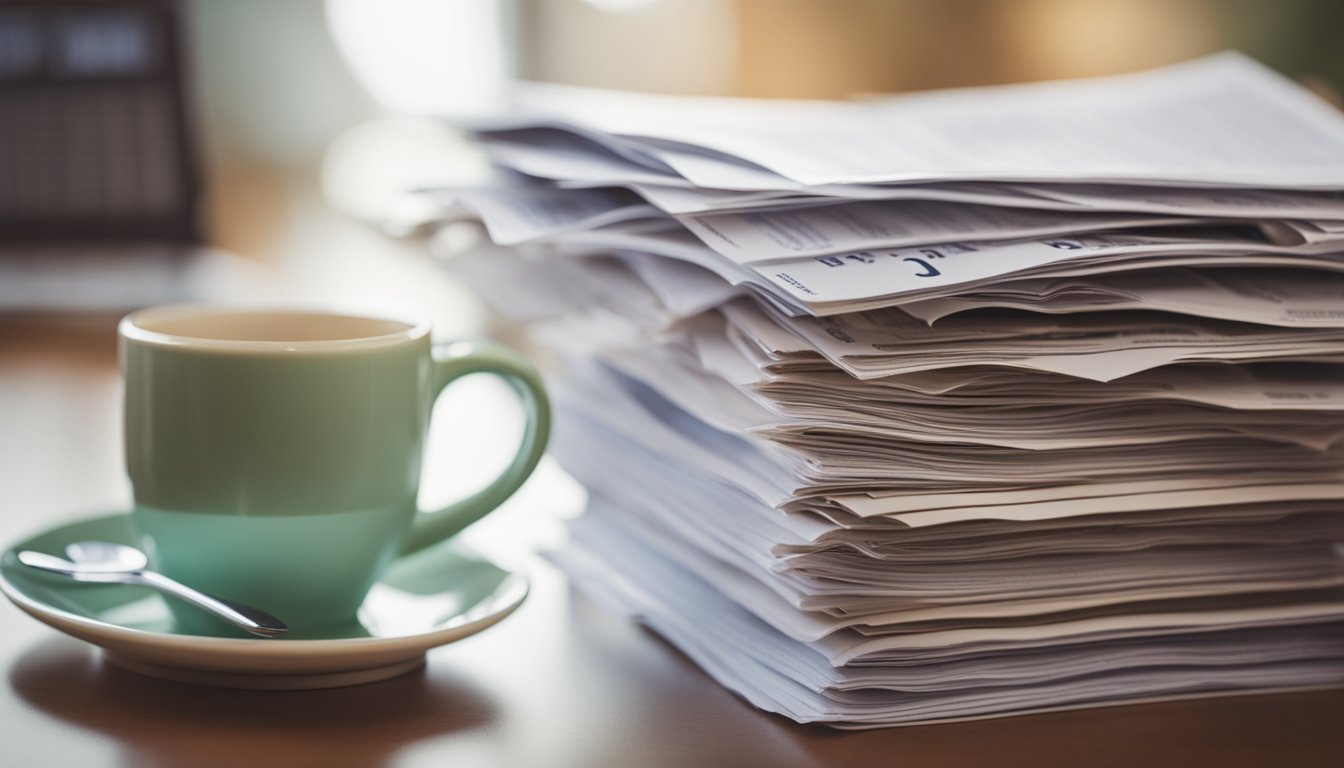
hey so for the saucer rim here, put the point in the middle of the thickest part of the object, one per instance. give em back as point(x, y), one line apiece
point(512, 593)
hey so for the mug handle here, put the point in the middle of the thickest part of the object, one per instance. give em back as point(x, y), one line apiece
point(457, 359)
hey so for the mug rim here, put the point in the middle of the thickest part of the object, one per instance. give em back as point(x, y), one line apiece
point(132, 328)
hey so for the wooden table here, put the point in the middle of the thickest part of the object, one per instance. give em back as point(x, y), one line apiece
point(560, 683)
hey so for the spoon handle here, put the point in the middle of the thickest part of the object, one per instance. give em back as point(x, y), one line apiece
point(250, 619)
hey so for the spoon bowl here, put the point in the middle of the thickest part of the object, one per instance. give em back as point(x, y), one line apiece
point(105, 556)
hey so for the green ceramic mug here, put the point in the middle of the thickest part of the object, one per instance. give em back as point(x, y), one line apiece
point(275, 456)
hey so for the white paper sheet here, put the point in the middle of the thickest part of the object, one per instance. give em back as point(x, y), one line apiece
point(1220, 120)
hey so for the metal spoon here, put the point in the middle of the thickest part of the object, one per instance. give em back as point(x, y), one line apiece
point(103, 562)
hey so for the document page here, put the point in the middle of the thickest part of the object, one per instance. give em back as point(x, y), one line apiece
point(1219, 120)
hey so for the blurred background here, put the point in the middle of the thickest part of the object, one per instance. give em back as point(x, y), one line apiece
point(251, 126)
point(252, 150)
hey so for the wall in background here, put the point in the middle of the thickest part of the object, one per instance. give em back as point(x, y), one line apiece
point(270, 86)
point(664, 46)
point(834, 48)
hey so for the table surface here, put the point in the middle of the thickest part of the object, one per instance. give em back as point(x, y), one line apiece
point(559, 683)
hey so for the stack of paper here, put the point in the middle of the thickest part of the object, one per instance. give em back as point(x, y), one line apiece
point(950, 405)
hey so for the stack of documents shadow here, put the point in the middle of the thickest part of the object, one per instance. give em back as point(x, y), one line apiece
point(950, 405)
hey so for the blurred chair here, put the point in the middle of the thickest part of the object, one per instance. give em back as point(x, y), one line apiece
point(98, 181)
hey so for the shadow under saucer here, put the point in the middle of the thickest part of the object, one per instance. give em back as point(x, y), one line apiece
point(166, 723)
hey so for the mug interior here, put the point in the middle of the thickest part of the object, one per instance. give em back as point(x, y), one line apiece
point(209, 326)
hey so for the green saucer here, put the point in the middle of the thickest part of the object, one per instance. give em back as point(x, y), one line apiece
point(425, 600)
